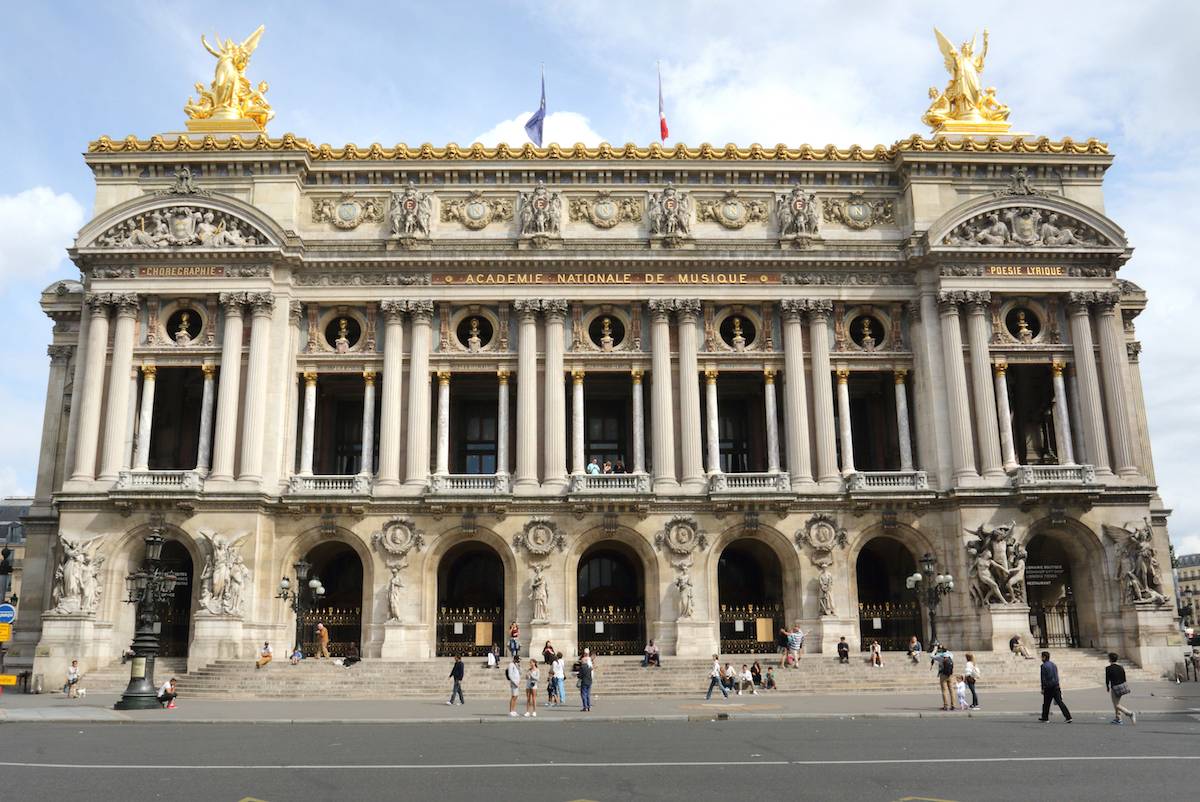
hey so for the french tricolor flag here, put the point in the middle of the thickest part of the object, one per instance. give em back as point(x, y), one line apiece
point(662, 114)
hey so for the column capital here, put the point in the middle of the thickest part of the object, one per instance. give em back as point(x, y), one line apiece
point(1133, 350)
point(949, 300)
point(819, 309)
point(577, 376)
point(1078, 302)
point(1057, 368)
point(793, 308)
point(443, 377)
point(310, 378)
point(661, 308)
point(149, 372)
point(209, 370)
point(502, 375)
point(260, 303)
point(554, 309)
point(295, 311)
point(1106, 301)
point(636, 374)
point(369, 377)
point(393, 309)
point(900, 375)
point(421, 310)
point(98, 303)
point(126, 303)
point(232, 302)
point(710, 375)
point(843, 375)
point(687, 309)
point(59, 353)
point(1000, 368)
point(769, 375)
point(527, 308)
point(978, 301)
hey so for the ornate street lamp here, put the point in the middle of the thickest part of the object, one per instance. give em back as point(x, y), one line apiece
point(151, 588)
point(1188, 611)
point(930, 588)
point(300, 599)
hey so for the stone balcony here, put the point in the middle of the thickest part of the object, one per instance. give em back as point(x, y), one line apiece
point(470, 484)
point(1034, 476)
point(315, 485)
point(610, 484)
point(748, 483)
point(159, 481)
point(887, 482)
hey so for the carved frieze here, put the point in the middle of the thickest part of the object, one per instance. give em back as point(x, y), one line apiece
point(1024, 226)
point(839, 278)
point(397, 538)
point(731, 211)
point(477, 211)
point(348, 211)
point(681, 536)
point(364, 279)
point(857, 212)
point(821, 533)
point(180, 227)
point(539, 537)
point(605, 210)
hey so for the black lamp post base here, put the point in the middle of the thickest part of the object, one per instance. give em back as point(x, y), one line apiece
point(142, 697)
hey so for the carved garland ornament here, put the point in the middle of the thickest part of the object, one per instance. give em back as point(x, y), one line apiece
point(398, 537)
point(476, 211)
point(681, 535)
point(857, 212)
point(182, 226)
point(348, 211)
point(731, 211)
point(539, 537)
point(605, 211)
point(1025, 226)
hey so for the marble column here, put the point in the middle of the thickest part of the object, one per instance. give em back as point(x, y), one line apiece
point(416, 474)
point(91, 395)
point(1079, 446)
point(979, 333)
point(577, 462)
point(1007, 447)
point(257, 375)
point(141, 461)
point(902, 428)
point(1091, 411)
point(961, 449)
point(525, 478)
point(1062, 420)
point(712, 423)
point(845, 432)
point(662, 407)
point(204, 447)
point(687, 314)
point(52, 420)
point(443, 424)
point(772, 420)
point(229, 385)
point(393, 384)
point(77, 382)
point(554, 454)
point(1114, 358)
point(502, 422)
point(795, 392)
point(368, 424)
point(116, 413)
point(132, 433)
point(639, 423)
point(818, 318)
point(309, 424)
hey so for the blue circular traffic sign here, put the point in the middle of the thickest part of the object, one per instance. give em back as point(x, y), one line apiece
point(8, 613)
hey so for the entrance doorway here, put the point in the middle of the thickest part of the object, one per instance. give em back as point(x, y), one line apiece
point(610, 600)
point(470, 601)
point(887, 611)
point(340, 570)
point(750, 592)
point(1053, 616)
point(177, 615)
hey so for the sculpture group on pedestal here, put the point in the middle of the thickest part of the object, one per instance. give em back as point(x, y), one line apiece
point(996, 566)
point(670, 213)
point(77, 576)
point(225, 574)
point(410, 213)
point(1137, 563)
point(541, 213)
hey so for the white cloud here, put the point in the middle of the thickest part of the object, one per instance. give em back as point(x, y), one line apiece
point(563, 127)
point(36, 227)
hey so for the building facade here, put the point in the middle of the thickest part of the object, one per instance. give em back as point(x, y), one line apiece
point(610, 394)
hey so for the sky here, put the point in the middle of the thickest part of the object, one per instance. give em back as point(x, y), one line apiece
point(805, 71)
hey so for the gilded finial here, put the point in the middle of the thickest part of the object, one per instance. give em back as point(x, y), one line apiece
point(231, 103)
point(965, 106)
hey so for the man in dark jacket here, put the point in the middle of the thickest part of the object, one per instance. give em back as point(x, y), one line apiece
point(1051, 690)
point(456, 674)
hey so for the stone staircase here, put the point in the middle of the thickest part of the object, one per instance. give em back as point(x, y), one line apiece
point(624, 676)
point(113, 677)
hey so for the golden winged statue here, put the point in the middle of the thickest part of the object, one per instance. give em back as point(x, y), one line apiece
point(231, 102)
point(965, 106)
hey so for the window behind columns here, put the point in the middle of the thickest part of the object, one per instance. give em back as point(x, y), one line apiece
point(175, 426)
point(1031, 403)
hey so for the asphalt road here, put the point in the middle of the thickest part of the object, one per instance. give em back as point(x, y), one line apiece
point(962, 759)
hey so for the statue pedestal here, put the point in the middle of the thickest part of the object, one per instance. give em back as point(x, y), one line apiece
point(696, 638)
point(561, 637)
point(1151, 635)
point(405, 641)
point(66, 637)
point(828, 630)
point(1002, 621)
point(214, 637)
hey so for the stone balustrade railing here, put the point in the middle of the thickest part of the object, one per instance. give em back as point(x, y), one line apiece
point(610, 483)
point(1034, 475)
point(338, 485)
point(887, 481)
point(749, 483)
point(470, 483)
point(159, 480)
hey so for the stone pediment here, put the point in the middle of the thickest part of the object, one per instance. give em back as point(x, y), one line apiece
point(189, 225)
point(1029, 223)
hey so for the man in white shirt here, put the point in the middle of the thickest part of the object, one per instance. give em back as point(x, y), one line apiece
point(167, 694)
point(513, 674)
point(593, 467)
point(559, 672)
point(264, 655)
point(746, 681)
point(714, 679)
point(70, 688)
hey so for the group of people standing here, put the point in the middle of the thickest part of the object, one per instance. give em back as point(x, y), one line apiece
point(595, 467)
point(749, 679)
point(528, 677)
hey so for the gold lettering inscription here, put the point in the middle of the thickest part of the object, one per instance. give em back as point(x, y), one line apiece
point(599, 278)
point(1026, 270)
point(180, 271)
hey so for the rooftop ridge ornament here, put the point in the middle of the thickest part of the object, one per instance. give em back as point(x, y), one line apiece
point(965, 106)
point(231, 104)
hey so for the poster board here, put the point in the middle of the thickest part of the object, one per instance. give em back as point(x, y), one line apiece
point(483, 633)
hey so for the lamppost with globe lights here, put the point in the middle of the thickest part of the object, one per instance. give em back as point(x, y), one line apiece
point(151, 588)
point(930, 588)
point(303, 597)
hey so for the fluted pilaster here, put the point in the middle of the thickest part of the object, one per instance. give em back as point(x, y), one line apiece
point(116, 414)
point(662, 417)
point(795, 392)
point(958, 409)
point(1091, 410)
point(393, 391)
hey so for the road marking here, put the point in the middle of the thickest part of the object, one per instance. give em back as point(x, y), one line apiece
point(661, 764)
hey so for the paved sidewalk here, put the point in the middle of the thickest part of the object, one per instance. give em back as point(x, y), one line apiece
point(1149, 699)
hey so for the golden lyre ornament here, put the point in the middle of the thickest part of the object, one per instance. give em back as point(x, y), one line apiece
point(965, 106)
point(231, 103)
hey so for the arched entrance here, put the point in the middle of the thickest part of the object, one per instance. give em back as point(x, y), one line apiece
point(177, 616)
point(470, 600)
point(610, 600)
point(340, 570)
point(1050, 591)
point(887, 611)
point(750, 593)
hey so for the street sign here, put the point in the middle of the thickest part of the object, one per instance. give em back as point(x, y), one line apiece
point(8, 613)
point(5, 632)
point(8, 679)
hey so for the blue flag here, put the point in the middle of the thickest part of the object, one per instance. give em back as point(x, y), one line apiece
point(533, 127)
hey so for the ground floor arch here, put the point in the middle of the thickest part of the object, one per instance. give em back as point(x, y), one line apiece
point(470, 600)
point(340, 569)
point(750, 597)
point(888, 611)
point(1059, 589)
point(175, 635)
point(610, 599)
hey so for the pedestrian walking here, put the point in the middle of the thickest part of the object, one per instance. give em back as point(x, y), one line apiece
point(167, 694)
point(1051, 690)
point(513, 675)
point(531, 688)
point(264, 655)
point(322, 640)
point(585, 684)
point(715, 679)
point(457, 671)
point(944, 661)
point(1118, 687)
point(558, 670)
point(970, 674)
point(514, 640)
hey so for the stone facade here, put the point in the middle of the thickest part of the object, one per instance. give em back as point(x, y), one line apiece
point(934, 269)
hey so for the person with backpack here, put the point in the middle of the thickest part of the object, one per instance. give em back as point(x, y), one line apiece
point(944, 661)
